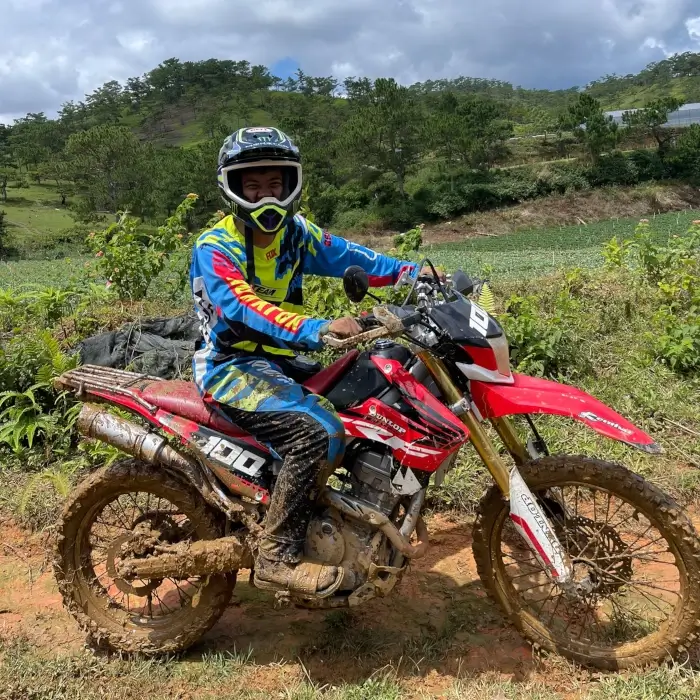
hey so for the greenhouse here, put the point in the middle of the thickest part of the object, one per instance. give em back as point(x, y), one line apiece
point(685, 116)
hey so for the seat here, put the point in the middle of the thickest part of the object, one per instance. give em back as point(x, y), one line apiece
point(183, 399)
point(326, 379)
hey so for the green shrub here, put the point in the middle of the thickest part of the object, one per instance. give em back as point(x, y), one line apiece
point(614, 169)
point(543, 343)
point(671, 273)
point(131, 257)
point(684, 160)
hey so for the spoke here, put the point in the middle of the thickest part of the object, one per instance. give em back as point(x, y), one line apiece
point(136, 505)
point(639, 549)
point(556, 607)
point(607, 509)
point(595, 518)
point(124, 525)
point(617, 510)
point(639, 537)
point(521, 561)
point(589, 609)
point(160, 601)
point(129, 523)
point(118, 527)
point(189, 597)
point(532, 588)
point(529, 573)
point(541, 608)
point(647, 596)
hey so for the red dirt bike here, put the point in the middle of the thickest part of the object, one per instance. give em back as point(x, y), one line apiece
point(586, 558)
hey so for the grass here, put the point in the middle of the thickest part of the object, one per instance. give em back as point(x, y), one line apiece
point(25, 674)
point(35, 219)
point(522, 254)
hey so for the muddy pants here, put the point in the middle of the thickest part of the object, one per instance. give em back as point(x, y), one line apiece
point(303, 429)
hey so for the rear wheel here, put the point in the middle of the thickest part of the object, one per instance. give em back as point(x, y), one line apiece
point(636, 562)
point(110, 515)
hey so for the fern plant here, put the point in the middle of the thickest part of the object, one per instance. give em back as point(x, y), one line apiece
point(23, 419)
point(59, 477)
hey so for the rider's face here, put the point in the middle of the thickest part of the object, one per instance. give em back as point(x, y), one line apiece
point(262, 182)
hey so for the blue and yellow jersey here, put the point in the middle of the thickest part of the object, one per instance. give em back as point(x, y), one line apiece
point(263, 315)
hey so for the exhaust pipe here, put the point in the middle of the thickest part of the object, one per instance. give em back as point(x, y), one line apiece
point(143, 444)
point(128, 437)
point(201, 558)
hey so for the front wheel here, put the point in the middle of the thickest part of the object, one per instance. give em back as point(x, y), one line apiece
point(636, 561)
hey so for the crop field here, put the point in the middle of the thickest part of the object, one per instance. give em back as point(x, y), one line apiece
point(517, 255)
point(542, 251)
point(32, 273)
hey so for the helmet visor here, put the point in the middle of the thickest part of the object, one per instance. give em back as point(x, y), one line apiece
point(231, 181)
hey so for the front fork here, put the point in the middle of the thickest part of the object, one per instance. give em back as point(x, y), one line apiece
point(525, 512)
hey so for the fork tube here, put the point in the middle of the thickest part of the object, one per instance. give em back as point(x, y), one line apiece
point(477, 435)
point(506, 431)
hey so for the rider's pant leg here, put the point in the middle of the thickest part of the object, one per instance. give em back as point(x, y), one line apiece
point(303, 429)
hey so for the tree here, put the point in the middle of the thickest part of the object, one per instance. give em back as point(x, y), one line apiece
point(32, 139)
point(111, 167)
point(194, 96)
point(3, 233)
point(596, 131)
point(384, 129)
point(652, 118)
point(472, 129)
point(685, 157)
point(105, 104)
point(58, 170)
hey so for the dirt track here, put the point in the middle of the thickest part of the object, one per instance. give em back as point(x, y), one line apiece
point(436, 627)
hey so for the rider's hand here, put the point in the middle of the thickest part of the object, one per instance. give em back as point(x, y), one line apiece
point(345, 327)
point(427, 271)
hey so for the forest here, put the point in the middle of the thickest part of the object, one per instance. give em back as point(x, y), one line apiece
point(377, 155)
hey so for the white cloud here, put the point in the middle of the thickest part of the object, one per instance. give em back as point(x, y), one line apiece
point(135, 41)
point(693, 27)
point(55, 50)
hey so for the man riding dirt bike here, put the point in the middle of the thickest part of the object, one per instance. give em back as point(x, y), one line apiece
point(246, 279)
point(586, 558)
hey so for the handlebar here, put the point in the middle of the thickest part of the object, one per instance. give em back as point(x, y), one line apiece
point(390, 326)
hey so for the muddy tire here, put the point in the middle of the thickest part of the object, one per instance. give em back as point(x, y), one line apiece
point(680, 547)
point(89, 603)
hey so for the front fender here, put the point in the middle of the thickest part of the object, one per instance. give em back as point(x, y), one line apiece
point(532, 395)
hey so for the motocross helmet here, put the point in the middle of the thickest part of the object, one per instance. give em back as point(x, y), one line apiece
point(258, 147)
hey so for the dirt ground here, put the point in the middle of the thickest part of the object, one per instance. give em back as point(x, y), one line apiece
point(555, 211)
point(436, 627)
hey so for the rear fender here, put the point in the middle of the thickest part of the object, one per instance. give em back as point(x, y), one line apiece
point(532, 395)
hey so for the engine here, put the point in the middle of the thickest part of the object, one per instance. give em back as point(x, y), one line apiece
point(334, 539)
point(370, 480)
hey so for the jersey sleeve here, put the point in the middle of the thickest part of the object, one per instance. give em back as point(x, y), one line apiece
point(235, 301)
point(330, 256)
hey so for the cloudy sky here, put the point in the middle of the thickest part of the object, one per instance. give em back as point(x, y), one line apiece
point(55, 50)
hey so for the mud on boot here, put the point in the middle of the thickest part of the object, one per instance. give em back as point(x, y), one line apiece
point(305, 577)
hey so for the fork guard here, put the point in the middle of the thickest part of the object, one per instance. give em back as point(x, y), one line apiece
point(533, 395)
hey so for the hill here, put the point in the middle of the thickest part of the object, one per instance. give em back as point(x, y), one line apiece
point(377, 155)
